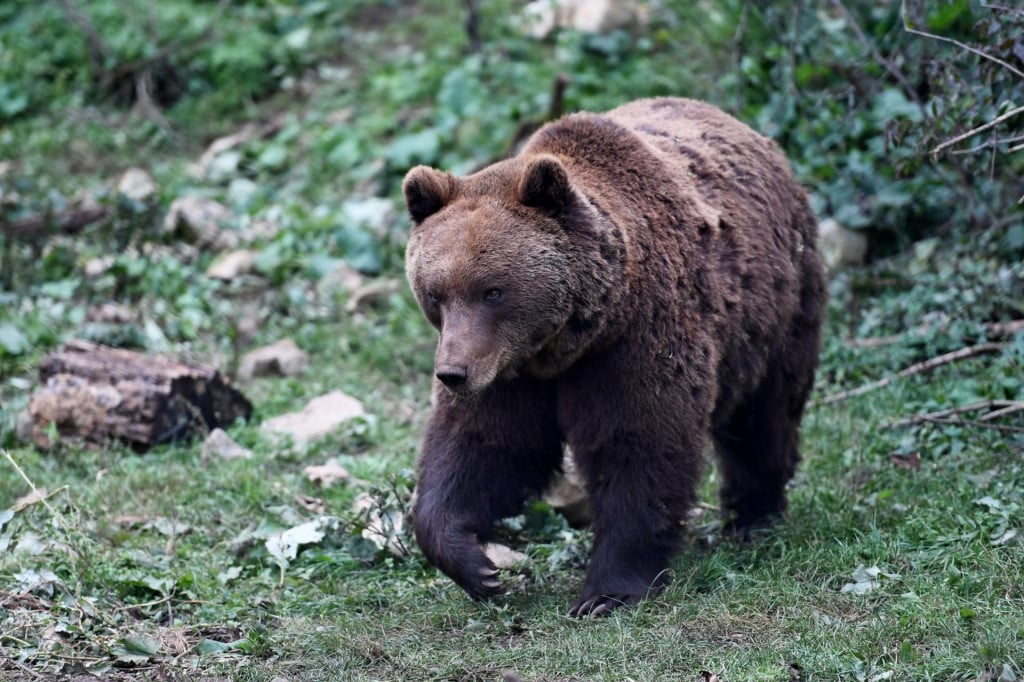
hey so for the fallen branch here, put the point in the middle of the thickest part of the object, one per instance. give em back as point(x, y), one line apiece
point(1014, 406)
point(998, 407)
point(974, 131)
point(919, 368)
point(957, 421)
point(69, 222)
point(995, 330)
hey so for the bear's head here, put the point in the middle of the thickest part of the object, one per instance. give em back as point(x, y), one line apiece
point(489, 262)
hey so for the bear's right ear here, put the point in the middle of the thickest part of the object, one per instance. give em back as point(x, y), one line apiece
point(426, 192)
point(545, 185)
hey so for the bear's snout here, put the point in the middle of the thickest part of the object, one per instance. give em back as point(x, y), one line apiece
point(452, 376)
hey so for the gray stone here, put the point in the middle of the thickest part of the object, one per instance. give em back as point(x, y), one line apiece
point(233, 264)
point(282, 358)
point(199, 221)
point(374, 294)
point(219, 445)
point(137, 185)
point(840, 246)
point(320, 417)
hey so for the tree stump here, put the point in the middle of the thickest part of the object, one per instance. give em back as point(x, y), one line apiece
point(100, 393)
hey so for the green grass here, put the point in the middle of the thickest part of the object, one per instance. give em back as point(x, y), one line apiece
point(950, 609)
point(155, 566)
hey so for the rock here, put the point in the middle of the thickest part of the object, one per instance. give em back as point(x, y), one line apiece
point(233, 264)
point(374, 294)
point(137, 185)
point(840, 246)
point(320, 417)
point(198, 220)
point(111, 313)
point(568, 493)
point(283, 358)
point(326, 474)
point(94, 267)
point(25, 427)
point(502, 556)
point(259, 229)
point(542, 17)
point(342, 279)
point(219, 445)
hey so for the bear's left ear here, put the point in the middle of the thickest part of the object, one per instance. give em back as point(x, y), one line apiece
point(545, 185)
point(427, 191)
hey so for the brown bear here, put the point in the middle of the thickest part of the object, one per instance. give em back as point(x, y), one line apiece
point(635, 284)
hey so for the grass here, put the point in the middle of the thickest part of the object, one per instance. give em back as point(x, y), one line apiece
point(946, 606)
point(155, 566)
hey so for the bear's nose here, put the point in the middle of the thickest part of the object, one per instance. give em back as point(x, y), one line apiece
point(451, 376)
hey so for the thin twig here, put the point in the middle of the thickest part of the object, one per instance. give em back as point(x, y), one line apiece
point(982, 128)
point(919, 368)
point(963, 46)
point(155, 602)
point(144, 64)
point(1003, 8)
point(98, 51)
point(990, 143)
point(25, 668)
point(737, 46)
point(24, 477)
point(886, 64)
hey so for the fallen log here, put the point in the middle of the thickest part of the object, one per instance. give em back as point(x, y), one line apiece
point(100, 393)
point(66, 222)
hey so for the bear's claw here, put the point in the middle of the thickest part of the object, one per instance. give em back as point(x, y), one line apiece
point(601, 605)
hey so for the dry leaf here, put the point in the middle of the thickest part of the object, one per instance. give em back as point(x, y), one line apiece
point(33, 497)
point(912, 462)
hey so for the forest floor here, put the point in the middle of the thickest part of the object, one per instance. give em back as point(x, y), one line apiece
point(899, 559)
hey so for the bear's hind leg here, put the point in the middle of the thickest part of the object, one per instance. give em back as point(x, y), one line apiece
point(640, 491)
point(757, 445)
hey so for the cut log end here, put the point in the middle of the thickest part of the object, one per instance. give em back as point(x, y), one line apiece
point(98, 393)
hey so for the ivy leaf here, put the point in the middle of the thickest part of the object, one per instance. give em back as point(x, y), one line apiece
point(212, 646)
point(136, 650)
point(12, 340)
point(284, 546)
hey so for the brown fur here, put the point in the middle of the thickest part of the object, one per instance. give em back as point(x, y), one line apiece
point(634, 284)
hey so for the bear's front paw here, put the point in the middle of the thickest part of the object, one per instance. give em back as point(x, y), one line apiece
point(461, 557)
point(595, 606)
point(475, 573)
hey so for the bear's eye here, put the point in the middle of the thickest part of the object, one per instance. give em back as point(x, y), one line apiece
point(493, 295)
point(433, 298)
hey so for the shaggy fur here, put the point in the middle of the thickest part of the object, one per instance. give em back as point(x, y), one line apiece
point(635, 284)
